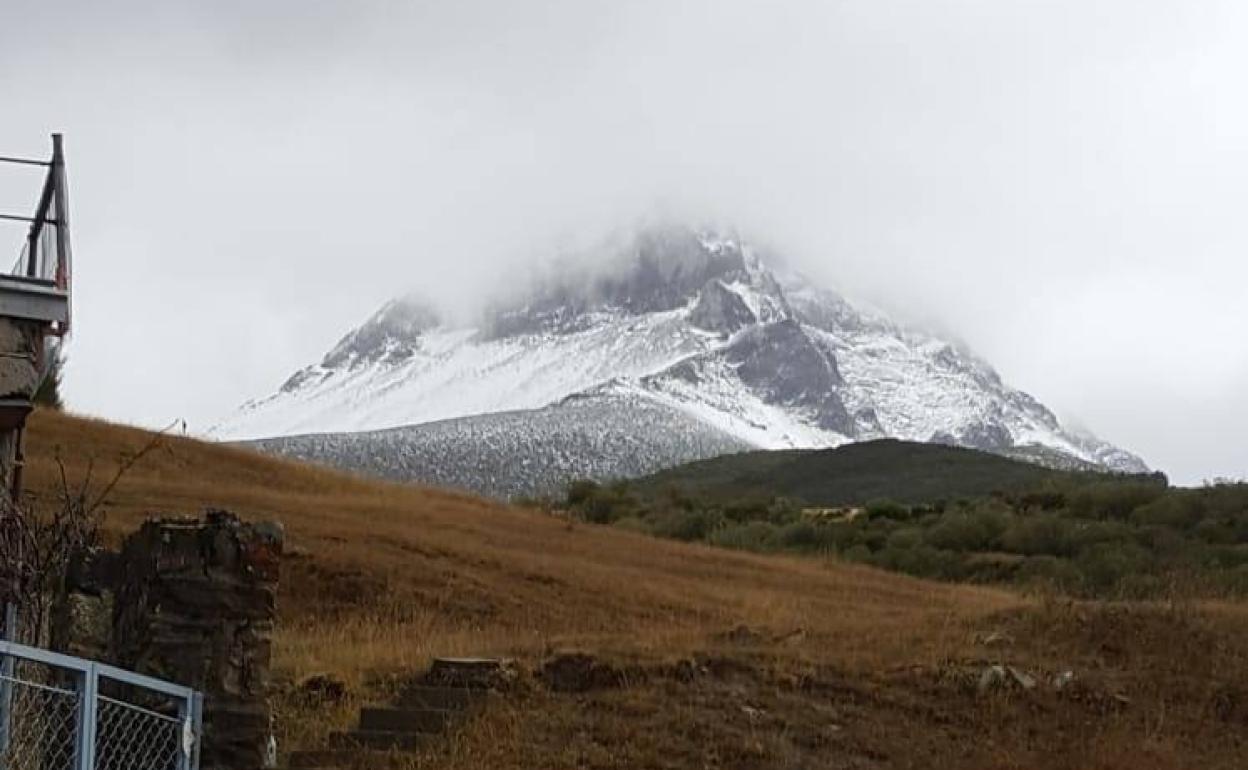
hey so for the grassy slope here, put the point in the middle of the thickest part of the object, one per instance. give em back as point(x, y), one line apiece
point(382, 577)
point(855, 474)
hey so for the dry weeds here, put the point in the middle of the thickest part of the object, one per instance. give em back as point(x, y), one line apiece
point(840, 666)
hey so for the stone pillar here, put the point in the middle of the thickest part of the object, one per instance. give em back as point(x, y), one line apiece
point(195, 605)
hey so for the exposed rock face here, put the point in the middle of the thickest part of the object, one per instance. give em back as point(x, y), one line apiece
point(720, 310)
point(657, 272)
point(671, 265)
point(989, 435)
point(786, 367)
point(391, 335)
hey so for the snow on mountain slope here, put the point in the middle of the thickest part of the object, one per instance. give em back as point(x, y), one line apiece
point(445, 373)
point(604, 435)
point(692, 324)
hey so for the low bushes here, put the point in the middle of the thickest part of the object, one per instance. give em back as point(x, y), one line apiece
point(1111, 539)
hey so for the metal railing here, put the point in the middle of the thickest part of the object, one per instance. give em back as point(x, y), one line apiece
point(59, 712)
point(45, 256)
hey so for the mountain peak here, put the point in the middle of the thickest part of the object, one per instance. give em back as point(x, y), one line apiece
point(390, 333)
point(656, 269)
point(692, 321)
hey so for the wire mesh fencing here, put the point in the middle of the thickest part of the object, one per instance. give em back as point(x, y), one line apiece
point(133, 737)
point(38, 717)
point(58, 712)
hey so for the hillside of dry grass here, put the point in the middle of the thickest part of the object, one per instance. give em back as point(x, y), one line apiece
point(725, 659)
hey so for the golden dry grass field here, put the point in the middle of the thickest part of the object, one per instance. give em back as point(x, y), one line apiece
point(725, 659)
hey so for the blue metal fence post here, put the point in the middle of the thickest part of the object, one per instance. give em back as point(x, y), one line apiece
point(191, 713)
point(8, 668)
point(88, 703)
point(197, 725)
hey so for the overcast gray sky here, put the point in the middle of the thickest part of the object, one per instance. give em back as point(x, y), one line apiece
point(1060, 184)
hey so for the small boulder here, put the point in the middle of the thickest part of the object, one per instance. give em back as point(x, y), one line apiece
point(322, 688)
point(579, 672)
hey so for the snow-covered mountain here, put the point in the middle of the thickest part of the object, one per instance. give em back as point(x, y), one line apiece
point(687, 332)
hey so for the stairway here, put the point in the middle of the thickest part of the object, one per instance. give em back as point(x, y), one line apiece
point(452, 688)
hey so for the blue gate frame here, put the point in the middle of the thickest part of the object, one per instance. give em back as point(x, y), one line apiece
point(78, 682)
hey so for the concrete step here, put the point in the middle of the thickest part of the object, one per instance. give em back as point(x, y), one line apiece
point(469, 673)
point(404, 720)
point(442, 698)
point(379, 740)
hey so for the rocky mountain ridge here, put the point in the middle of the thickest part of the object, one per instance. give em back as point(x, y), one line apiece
point(693, 325)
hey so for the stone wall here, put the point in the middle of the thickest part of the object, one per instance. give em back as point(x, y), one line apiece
point(20, 342)
point(191, 601)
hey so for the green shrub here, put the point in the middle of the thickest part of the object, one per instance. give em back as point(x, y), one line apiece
point(1180, 510)
point(1140, 585)
point(887, 509)
point(1225, 500)
point(905, 538)
point(799, 536)
point(674, 496)
point(1113, 499)
point(1040, 534)
point(976, 530)
point(920, 561)
point(750, 536)
point(1215, 532)
point(1086, 534)
point(783, 510)
point(48, 394)
point(1043, 499)
point(1235, 581)
point(857, 553)
point(746, 510)
point(580, 492)
point(1225, 557)
point(1113, 537)
point(873, 533)
point(688, 525)
point(1105, 566)
point(838, 536)
point(1171, 549)
point(600, 504)
point(1051, 572)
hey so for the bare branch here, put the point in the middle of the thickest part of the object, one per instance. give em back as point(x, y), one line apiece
point(37, 550)
point(156, 441)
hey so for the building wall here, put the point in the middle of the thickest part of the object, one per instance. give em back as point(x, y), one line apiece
point(20, 342)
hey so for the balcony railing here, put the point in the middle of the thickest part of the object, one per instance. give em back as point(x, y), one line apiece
point(38, 284)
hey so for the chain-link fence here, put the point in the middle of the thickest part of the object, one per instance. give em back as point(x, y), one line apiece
point(38, 717)
point(58, 712)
